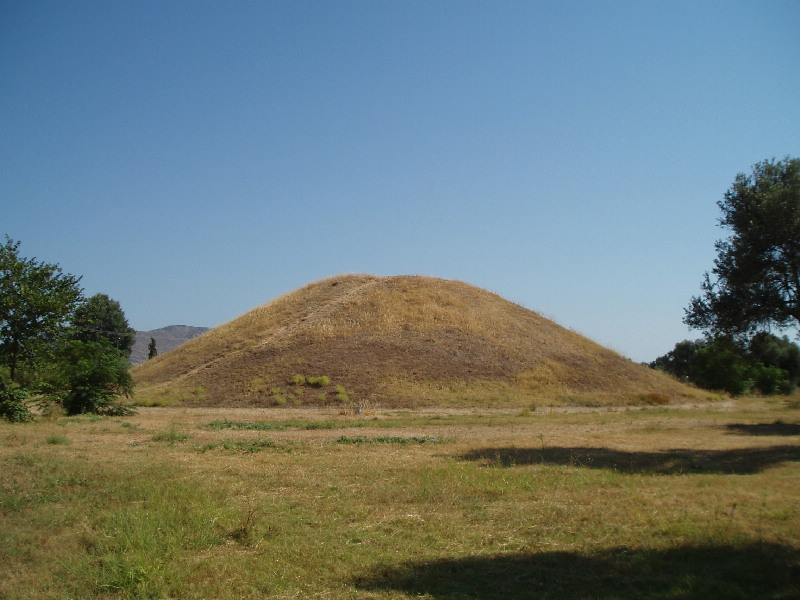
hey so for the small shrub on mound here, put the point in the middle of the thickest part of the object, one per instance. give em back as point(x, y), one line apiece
point(318, 382)
point(341, 394)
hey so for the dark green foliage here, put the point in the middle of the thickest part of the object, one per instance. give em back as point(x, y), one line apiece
point(756, 275)
point(767, 364)
point(780, 353)
point(678, 362)
point(100, 319)
point(74, 352)
point(36, 302)
point(151, 349)
point(721, 364)
point(12, 402)
point(89, 377)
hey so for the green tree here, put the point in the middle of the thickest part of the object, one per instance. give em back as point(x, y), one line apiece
point(776, 353)
point(151, 349)
point(101, 319)
point(679, 362)
point(36, 303)
point(756, 275)
point(89, 377)
point(721, 364)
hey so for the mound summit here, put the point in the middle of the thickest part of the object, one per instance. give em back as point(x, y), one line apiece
point(397, 341)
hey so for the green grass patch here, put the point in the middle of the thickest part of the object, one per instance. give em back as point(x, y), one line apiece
point(239, 445)
point(245, 425)
point(279, 425)
point(56, 439)
point(425, 439)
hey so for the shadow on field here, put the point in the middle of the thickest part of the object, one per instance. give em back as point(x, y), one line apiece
point(741, 461)
point(776, 428)
point(687, 573)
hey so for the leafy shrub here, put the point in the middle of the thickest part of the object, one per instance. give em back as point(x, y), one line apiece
point(298, 380)
point(89, 377)
point(771, 380)
point(341, 394)
point(12, 402)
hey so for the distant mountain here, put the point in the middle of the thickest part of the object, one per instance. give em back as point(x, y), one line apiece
point(166, 339)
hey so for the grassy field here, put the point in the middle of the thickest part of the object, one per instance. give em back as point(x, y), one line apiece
point(659, 503)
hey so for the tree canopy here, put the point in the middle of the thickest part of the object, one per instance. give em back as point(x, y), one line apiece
point(100, 319)
point(37, 301)
point(755, 282)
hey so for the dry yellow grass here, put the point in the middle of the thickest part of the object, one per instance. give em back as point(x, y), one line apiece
point(245, 503)
point(397, 341)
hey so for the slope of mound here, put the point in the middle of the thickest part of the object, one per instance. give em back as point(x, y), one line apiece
point(397, 341)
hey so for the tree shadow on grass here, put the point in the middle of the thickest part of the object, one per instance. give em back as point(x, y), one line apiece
point(776, 428)
point(756, 571)
point(740, 461)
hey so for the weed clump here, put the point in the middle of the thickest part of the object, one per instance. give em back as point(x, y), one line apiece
point(57, 440)
point(318, 382)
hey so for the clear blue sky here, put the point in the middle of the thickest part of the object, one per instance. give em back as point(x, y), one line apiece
point(196, 159)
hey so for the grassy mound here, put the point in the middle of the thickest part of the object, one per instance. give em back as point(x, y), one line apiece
point(396, 341)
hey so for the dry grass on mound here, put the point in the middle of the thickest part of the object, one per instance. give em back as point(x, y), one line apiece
point(396, 341)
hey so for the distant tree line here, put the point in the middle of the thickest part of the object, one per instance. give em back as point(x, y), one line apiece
point(753, 288)
point(766, 364)
point(56, 346)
